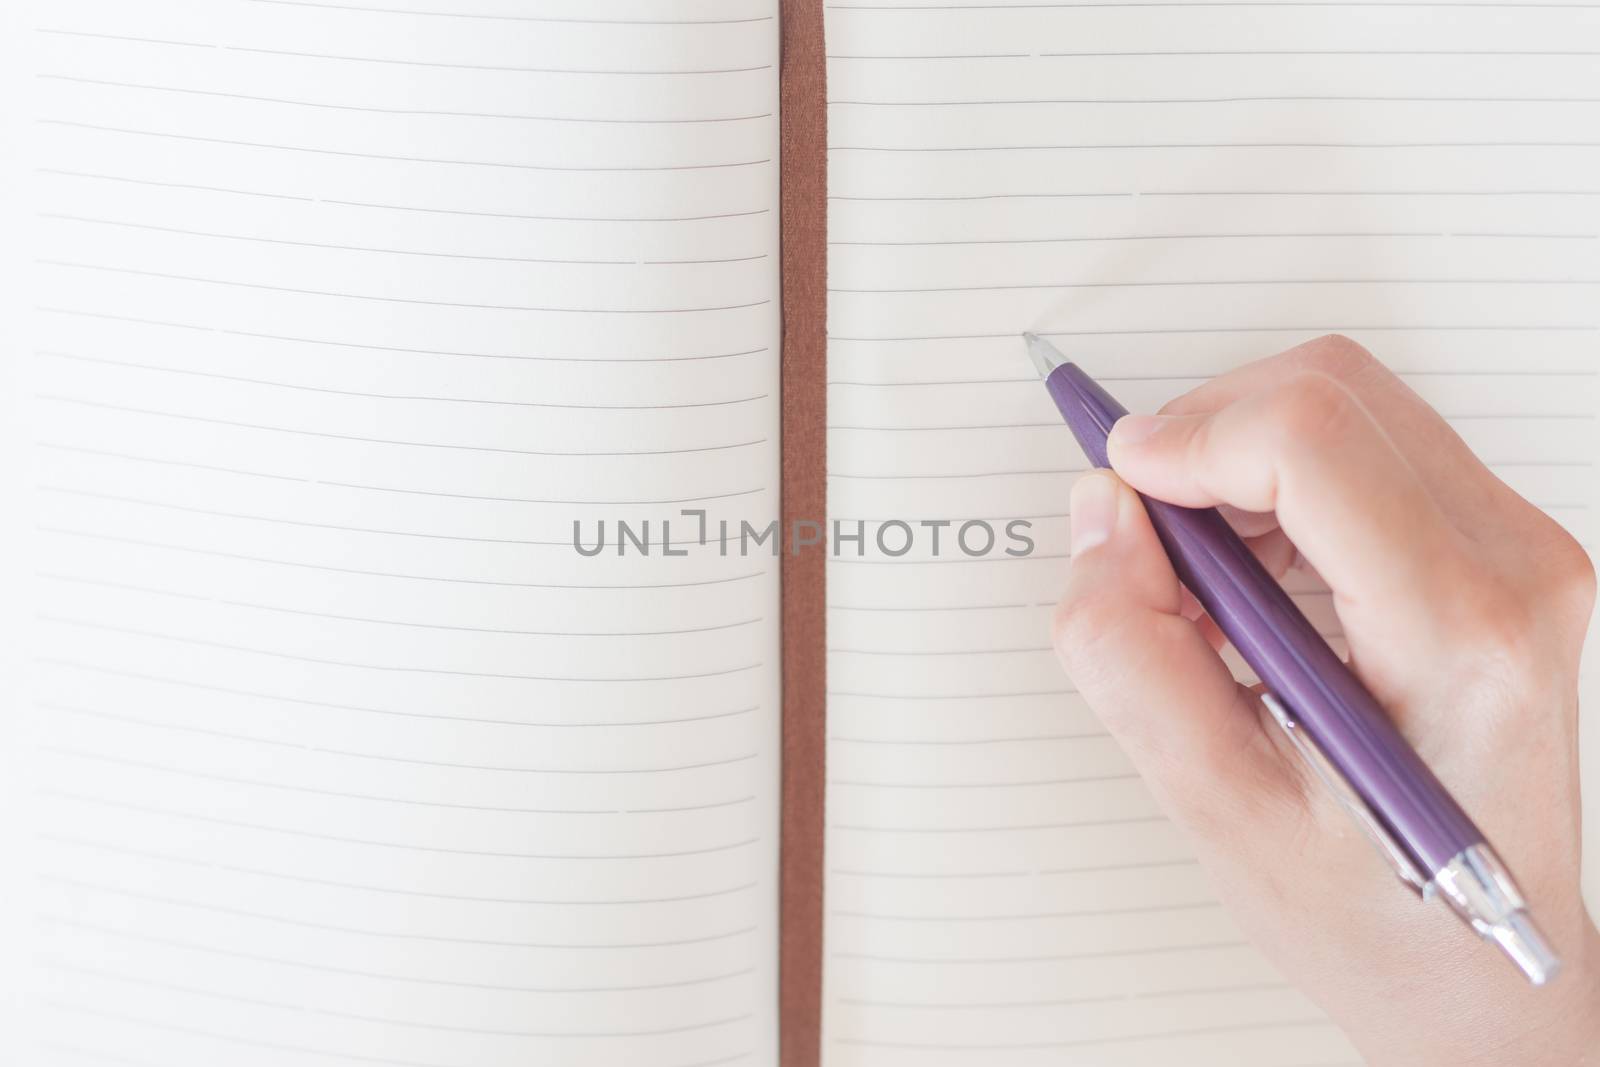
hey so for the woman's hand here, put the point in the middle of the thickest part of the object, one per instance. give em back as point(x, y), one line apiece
point(1465, 609)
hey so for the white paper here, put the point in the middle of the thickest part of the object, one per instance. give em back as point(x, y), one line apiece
point(1167, 191)
point(334, 318)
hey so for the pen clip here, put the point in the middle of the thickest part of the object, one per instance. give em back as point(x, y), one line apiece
point(1348, 798)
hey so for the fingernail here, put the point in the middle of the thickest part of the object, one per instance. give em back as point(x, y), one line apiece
point(1131, 429)
point(1094, 511)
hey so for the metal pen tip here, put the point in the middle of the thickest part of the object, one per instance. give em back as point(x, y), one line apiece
point(1477, 886)
point(1521, 940)
point(1046, 357)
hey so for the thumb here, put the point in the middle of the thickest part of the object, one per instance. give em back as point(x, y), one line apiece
point(1196, 736)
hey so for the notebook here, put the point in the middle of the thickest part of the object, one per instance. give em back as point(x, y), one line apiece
point(341, 333)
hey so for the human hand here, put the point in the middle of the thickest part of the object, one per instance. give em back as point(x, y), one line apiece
point(1465, 609)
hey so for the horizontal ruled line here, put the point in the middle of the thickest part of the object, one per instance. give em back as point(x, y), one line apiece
point(393, 712)
point(1203, 376)
point(180, 231)
point(1187, 282)
point(531, 499)
point(951, 696)
point(1024, 739)
point(685, 262)
point(615, 72)
point(498, 164)
point(397, 396)
point(348, 753)
point(124, 805)
point(1128, 997)
point(1314, 330)
point(1057, 424)
point(1058, 471)
point(70, 1007)
point(1098, 869)
point(257, 606)
point(261, 783)
point(402, 207)
point(515, 18)
point(1020, 650)
point(550, 218)
point(1133, 193)
point(188, 861)
point(322, 104)
point(1327, 52)
point(394, 299)
point(303, 524)
point(1348, 98)
point(1000, 828)
point(1085, 913)
point(73, 1008)
point(1155, 950)
point(201, 905)
point(1235, 53)
point(1114, 238)
point(209, 420)
point(380, 1019)
point(130, 39)
point(132, 458)
point(256, 335)
point(1123, 776)
point(847, 475)
point(100, 1054)
point(950, 55)
point(925, 607)
point(930, 874)
point(199, 642)
point(1142, 1037)
point(1196, 4)
point(238, 1039)
point(193, 550)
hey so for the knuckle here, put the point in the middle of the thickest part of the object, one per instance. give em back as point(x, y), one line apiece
point(1515, 624)
point(1179, 405)
point(1337, 356)
point(1311, 407)
point(1202, 398)
point(1566, 584)
point(1578, 579)
point(1496, 627)
point(1491, 615)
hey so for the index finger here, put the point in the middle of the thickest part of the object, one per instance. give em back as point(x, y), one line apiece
point(1309, 450)
point(1447, 467)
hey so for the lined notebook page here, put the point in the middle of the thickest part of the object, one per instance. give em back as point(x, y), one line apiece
point(341, 316)
point(1166, 191)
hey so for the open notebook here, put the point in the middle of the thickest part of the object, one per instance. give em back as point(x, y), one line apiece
point(331, 320)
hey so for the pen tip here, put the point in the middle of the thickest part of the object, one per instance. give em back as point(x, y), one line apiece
point(1045, 356)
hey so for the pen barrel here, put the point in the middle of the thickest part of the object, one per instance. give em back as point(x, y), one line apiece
point(1300, 669)
point(1334, 721)
point(1328, 703)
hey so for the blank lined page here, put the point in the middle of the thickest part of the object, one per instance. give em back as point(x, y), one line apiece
point(339, 318)
point(1166, 191)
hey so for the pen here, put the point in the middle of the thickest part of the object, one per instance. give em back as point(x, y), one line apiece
point(1333, 721)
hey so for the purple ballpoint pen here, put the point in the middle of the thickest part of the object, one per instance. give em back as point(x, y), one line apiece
point(1334, 722)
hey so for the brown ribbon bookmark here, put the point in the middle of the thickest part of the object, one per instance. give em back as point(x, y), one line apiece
point(804, 492)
